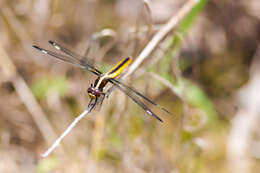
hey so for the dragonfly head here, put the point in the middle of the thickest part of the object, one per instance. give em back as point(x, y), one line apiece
point(93, 92)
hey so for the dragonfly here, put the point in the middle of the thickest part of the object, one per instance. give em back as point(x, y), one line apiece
point(96, 90)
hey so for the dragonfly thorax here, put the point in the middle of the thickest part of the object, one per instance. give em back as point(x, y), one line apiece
point(96, 90)
point(94, 93)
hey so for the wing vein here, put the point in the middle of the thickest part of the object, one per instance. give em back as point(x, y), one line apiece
point(137, 101)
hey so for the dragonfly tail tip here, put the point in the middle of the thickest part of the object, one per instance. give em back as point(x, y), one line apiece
point(166, 111)
point(159, 119)
point(51, 42)
point(36, 47)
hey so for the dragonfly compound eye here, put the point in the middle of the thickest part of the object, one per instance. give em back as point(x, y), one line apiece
point(91, 93)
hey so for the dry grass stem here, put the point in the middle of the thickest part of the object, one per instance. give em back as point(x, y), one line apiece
point(161, 34)
point(168, 84)
point(150, 21)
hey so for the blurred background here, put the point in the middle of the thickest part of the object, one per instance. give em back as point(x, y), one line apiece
point(205, 72)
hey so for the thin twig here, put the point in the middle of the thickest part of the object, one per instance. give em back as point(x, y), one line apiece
point(94, 50)
point(174, 89)
point(18, 28)
point(149, 16)
point(161, 34)
point(57, 142)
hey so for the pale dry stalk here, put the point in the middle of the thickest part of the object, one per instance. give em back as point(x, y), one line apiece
point(161, 34)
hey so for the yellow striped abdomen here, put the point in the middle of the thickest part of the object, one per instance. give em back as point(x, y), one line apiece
point(118, 68)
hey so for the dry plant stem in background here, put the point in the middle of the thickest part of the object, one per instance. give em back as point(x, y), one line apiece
point(149, 16)
point(27, 97)
point(18, 28)
point(168, 84)
point(245, 121)
point(159, 36)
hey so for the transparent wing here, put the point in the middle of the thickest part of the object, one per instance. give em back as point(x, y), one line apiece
point(74, 55)
point(67, 51)
point(129, 89)
point(133, 95)
point(72, 59)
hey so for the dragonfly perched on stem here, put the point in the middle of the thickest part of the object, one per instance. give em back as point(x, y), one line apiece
point(95, 91)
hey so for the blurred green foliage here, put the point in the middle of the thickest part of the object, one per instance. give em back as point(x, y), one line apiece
point(135, 126)
point(191, 92)
point(47, 165)
point(197, 97)
point(189, 19)
point(107, 154)
point(42, 87)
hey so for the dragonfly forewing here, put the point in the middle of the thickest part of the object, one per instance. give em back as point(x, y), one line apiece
point(69, 59)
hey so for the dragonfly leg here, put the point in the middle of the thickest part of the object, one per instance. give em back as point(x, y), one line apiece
point(92, 104)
